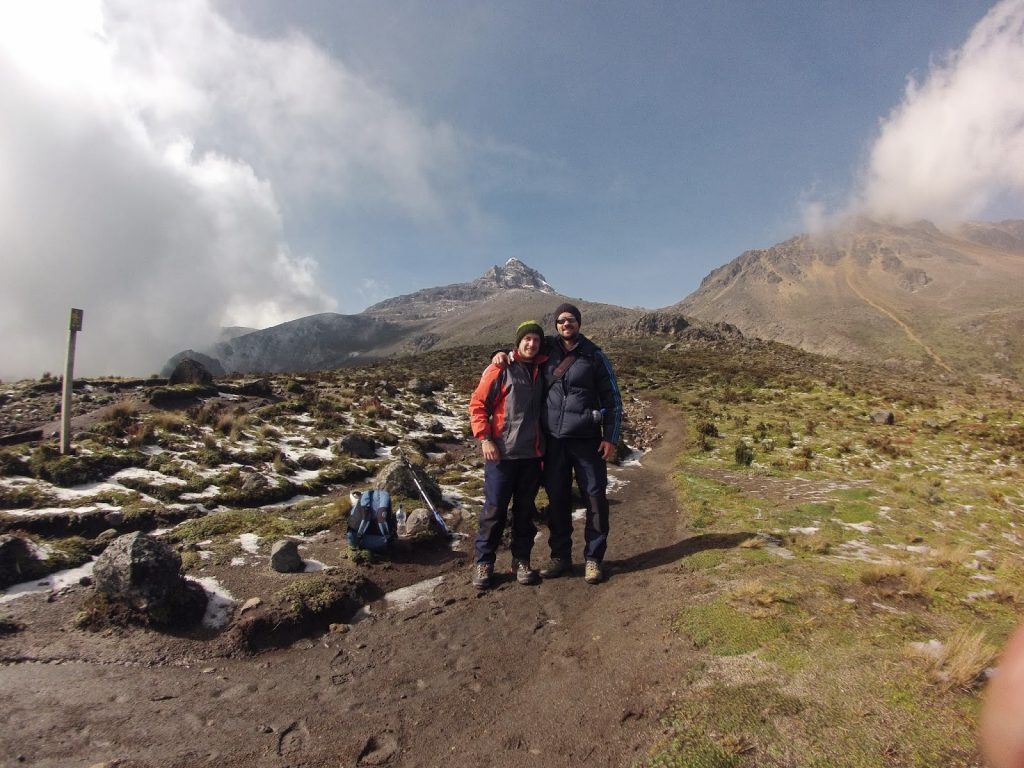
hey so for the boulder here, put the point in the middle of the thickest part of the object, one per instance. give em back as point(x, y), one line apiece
point(357, 446)
point(424, 386)
point(253, 388)
point(253, 482)
point(883, 417)
point(419, 521)
point(142, 575)
point(310, 461)
point(211, 364)
point(284, 557)
point(18, 561)
point(397, 479)
point(102, 540)
point(190, 371)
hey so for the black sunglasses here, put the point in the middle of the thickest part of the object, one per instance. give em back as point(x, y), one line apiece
point(564, 320)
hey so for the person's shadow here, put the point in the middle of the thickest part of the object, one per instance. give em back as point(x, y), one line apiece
point(674, 552)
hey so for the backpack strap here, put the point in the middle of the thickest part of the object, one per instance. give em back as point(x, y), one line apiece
point(365, 509)
point(563, 367)
point(381, 507)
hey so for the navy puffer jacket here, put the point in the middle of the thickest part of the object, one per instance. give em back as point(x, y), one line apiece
point(588, 385)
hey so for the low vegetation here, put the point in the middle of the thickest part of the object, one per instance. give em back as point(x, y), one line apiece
point(859, 628)
point(876, 566)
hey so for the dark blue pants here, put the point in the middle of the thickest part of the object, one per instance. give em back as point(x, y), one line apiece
point(562, 458)
point(515, 481)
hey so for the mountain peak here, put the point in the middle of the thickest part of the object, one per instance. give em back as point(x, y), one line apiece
point(515, 274)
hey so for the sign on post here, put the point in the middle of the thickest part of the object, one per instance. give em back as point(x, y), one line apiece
point(74, 327)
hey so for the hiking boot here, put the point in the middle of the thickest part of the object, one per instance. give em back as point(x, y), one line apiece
point(557, 567)
point(593, 574)
point(523, 572)
point(482, 573)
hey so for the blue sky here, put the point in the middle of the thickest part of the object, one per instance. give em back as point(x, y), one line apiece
point(175, 167)
point(660, 139)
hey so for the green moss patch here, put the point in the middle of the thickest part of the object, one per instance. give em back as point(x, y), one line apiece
point(725, 630)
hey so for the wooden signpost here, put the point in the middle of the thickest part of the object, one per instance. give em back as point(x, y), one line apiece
point(69, 369)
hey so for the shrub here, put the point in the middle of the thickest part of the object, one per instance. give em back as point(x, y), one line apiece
point(46, 463)
point(12, 464)
point(707, 429)
point(119, 419)
point(744, 454)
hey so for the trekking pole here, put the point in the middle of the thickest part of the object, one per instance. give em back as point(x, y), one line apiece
point(423, 493)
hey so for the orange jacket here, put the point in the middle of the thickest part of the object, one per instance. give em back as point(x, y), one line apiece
point(505, 407)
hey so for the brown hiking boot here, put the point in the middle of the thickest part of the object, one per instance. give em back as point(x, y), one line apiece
point(593, 574)
point(523, 572)
point(557, 567)
point(482, 573)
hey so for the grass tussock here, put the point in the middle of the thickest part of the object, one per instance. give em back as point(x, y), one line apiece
point(960, 663)
point(898, 580)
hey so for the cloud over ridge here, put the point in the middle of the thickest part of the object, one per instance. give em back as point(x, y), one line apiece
point(955, 145)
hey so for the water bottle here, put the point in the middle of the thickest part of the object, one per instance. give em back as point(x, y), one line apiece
point(400, 517)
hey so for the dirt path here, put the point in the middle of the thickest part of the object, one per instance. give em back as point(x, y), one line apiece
point(563, 673)
point(895, 318)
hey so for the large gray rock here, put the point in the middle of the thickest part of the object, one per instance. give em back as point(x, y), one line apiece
point(284, 557)
point(424, 386)
point(419, 521)
point(190, 371)
point(397, 479)
point(253, 482)
point(310, 461)
point(142, 575)
point(357, 446)
point(18, 561)
point(211, 364)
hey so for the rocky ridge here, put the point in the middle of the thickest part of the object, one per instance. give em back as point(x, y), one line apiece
point(882, 292)
point(481, 311)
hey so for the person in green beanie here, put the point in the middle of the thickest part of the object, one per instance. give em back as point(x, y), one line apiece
point(505, 416)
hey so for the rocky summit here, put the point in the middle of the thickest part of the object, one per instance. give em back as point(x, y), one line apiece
point(481, 311)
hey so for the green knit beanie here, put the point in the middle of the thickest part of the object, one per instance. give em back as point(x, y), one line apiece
point(530, 326)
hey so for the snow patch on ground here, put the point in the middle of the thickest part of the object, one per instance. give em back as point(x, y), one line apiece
point(220, 604)
point(634, 457)
point(297, 499)
point(932, 649)
point(865, 527)
point(209, 492)
point(51, 583)
point(400, 599)
point(151, 476)
point(61, 510)
point(83, 491)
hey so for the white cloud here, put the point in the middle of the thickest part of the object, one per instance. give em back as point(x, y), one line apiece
point(150, 157)
point(956, 143)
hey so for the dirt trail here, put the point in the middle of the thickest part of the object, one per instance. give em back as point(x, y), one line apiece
point(563, 673)
point(903, 326)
